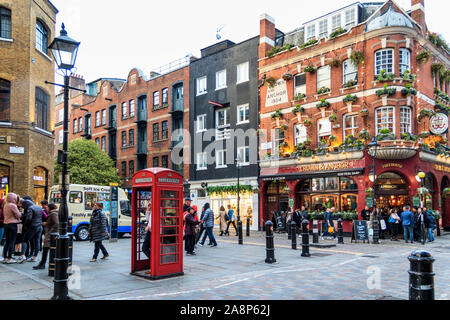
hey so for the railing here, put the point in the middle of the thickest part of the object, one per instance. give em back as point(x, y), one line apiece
point(171, 66)
point(222, 134)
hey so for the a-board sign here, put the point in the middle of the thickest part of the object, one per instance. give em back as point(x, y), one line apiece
point(360, 231)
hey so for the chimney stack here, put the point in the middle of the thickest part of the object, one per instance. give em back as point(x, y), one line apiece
point(267, 34)
point(418, 13)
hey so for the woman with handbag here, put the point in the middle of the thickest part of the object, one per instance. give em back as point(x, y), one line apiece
point(394, 221)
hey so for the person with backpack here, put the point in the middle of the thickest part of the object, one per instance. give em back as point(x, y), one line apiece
point(32, 222)
point(97, 231)
point(430, 224)
point(50, 226)
point(407, 219)
point(231, 220)
point(208, 221)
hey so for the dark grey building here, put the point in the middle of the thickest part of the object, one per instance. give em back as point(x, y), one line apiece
point(224, 114)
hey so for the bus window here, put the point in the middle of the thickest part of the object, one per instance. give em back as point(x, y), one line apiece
point(125, 208)
point(91, 200)
point(55, 197)
point(76, 197)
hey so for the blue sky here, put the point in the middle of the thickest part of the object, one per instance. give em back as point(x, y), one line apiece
point(147, 34)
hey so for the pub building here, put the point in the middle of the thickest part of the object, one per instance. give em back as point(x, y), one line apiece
point(329, 87)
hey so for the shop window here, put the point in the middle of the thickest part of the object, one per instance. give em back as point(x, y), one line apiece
point(323, 202)
point(350, 71)
point(404, 60)
point(41, 109)
point(318, 184)
point(385, 119)
point(305, 186)
point(349, 202)
point(5, 23)
point(331, 184)
point(405, 120)
point(384, 60)
point(76, 197)
point(40, 184)
point(201, 193)
point(5, 96)
point(4, 180)
point(348, 184)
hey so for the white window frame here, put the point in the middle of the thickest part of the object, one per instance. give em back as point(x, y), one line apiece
point(354, 126)
point(75, 125)
point(243, 72)
point(103, 117)
point(377, 125)
point(405, 119)
point(221, 159)
point(349, 23)
point(323, 134)
point(310, 32)
point(324, 82)
point(404, 54)
point(241, 152)
point(336, 22)
point(124, 108)
point(323, 28)
point(201, 123)
point(202, 87)
point(221, 79)
point(202, 163)
point(97, 118)
point(246, 119)
point(346, 75)
point(277, 140)
point(298, 136)
point(80, 124)
point(132, 105)
point(299, 88)
point(383, 61)
point(61, 115)
point(227, 118)
point(61, 136)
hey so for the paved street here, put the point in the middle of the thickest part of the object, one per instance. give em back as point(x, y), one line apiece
point(233, 272)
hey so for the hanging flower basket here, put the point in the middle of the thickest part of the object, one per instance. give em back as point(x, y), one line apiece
point(446, 193)
point(307, 123)
point(364, 113)
point(287, 76)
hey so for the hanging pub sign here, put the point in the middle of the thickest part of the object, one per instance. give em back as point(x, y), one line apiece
point(439, 123)
point(369, 202)
point(416, 202)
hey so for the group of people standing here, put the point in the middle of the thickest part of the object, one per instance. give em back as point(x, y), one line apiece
point(417, 224)
point(27, 228)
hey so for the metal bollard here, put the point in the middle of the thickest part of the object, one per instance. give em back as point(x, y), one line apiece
point(270, 250)
point(69, 224)
point(294, 238)
point(421, 276)
point(438, 228)
point(340, 232)
point(52, 255)
point(305, 239)
point(241, 241)
point(71, 235)
point(289, 229)
point(315, 231)
point(248, 227)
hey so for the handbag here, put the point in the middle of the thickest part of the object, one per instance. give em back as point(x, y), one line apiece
point(383, 224)
point(331, 230)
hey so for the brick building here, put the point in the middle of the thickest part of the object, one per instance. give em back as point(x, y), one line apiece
point(27, 27)
point(331, 85)
point(139, 122)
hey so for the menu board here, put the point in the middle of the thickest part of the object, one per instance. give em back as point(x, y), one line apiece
point(360, 231)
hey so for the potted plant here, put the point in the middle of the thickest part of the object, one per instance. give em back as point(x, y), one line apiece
point(357, 57)
point(333, 118)
point(277, 115)
point(384, 76)
point(423, 57)
point(364, 112)
point(337, 32)
point(385, 93)
point(322, 106)
point(349, 100)
point(408, 77)
point(364, 135)
point(323, 90)
point(298, 111)
point(310, 69)
point(307, 123)
point(271, 81)
point(287, 76)
point(385, 134)
point(436, 68)
point(425, 113)
point(408, 91)
point(409, 137)
point(284, 127)
point(350, 83)
point(299, 96)
point(335, 63)
point(424, 134)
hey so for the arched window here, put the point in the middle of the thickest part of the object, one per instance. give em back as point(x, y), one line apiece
point(5, 23)
point(41, 109)
point(5, 93)
point(41, 37)
point(404, 60)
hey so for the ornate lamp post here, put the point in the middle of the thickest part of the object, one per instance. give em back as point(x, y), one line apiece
point(372, 147)
point(239, 223)
point(64, 51)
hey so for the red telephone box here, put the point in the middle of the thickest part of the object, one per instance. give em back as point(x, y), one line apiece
point(164, 188)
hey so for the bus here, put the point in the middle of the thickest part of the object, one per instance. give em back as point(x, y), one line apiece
point(80, 202)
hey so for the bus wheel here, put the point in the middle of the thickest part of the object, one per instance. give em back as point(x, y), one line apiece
point(121, 234)
point(82, 233)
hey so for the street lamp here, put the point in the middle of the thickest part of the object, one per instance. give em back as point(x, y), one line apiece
point(64, 51)
point(373, 145)
point(239, 223)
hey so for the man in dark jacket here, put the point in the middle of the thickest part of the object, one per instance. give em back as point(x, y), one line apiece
point(97, 231)
point(365, 213)
point(50, 226)
point(297, 219)
point(187, 204)
point(32, 222)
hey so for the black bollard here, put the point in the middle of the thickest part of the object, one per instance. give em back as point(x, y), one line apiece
point(438, 227)
point(315, 231)
point(340, 232)
point(305, 239)
point(289, 230)
point(376, 230)
point(240, 235)
point(294, 238)
point(71, 235)
point(248, 227)
point(421, 276)
point(270, 250)
point(52, 254)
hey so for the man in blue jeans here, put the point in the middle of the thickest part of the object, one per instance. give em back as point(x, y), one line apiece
point(408, 224)
point(208, 222)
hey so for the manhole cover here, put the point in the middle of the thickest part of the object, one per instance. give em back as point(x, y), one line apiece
point(321, 254)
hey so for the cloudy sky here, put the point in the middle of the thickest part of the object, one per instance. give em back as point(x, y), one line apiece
point(150, 33)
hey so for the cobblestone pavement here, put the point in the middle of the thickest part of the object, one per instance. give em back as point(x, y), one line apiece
point(233, 272)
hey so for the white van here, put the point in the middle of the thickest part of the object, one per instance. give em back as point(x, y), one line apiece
point(81, 200)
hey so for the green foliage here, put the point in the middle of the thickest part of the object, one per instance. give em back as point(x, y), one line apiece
point(357, 58)
point(323, 90)
point(386, 91)
point(333, 118)
point(350, 83)
point(323, 104)
point(279, 49)
point(277, 114)
point(271, 81)
point(409, 137)
point(335, 63)
point(384, 76)
point(385, 134)
point(364, 135)
point(408, 76)
point(425, 113)
point(87, 164)
point(309, 43)
point(337, 32)
point(298, 109)
point(230, 189)
point(438, 41)
point(423, 57)
point(350, 98)
point(364, 112)
point(310, 69)
point(409, 90)
point(299, 96)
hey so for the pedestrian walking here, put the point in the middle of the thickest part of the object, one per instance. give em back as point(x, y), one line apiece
point(32, 222)
point(97, 231)
point(12, 217)
point(394, 221)
point(223, 221)
point(297, 217)
point(189, 237)
point(20, 230)
point(430, 224)
point(208, 221)
point(330, 230)
point(50, 226)
point(407, 219)
point(231, 220)
point(202, 227)
point(45, 213)
point(187, 204)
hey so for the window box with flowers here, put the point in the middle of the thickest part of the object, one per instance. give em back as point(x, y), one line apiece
point(350, 84)
point(424, 134)
point(310, 69)
point(441, 96)
point(384, 76)
point(349, 100)
point(278, 49)
point(385, 135)
point(439, 107)
point(409, 91)
point(309, 43)
point(333, 118)
point(337, 33)
point(335, 63)
point(364, 112)
point(364, 135)
point(408, 77)
point(322, 106)
point(300, 96)
point(385, 93)
point(409, 137)
point(323, 90)
point(298, 111)
point(277, 115)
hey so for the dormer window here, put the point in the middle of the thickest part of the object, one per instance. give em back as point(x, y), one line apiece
point(335, 22)
point(323, 29)
point(350, 18)
point(311, 32)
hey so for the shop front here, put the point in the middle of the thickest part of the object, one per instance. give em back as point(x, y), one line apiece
point(40, 184)
point(4, 180)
